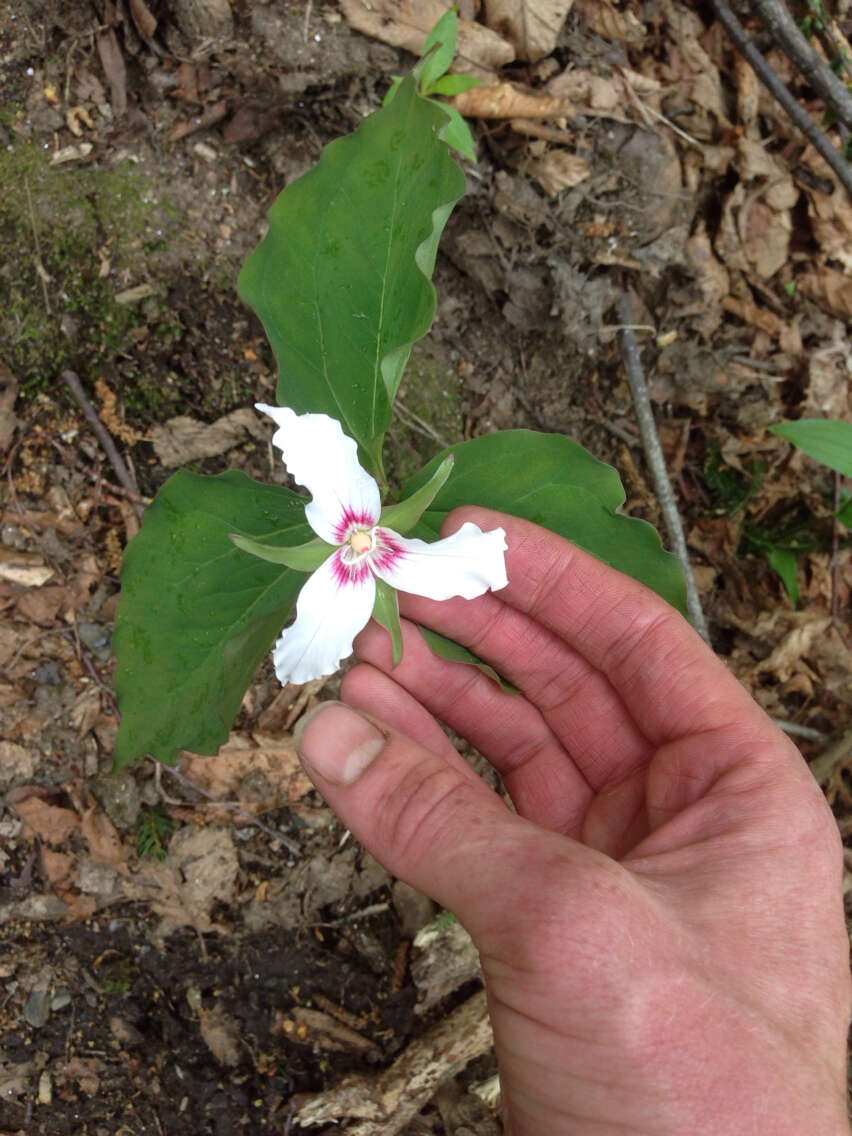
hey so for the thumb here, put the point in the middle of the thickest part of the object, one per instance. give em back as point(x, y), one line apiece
point(434, 825)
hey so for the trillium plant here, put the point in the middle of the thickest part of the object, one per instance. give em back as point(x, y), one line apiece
point(226, 569)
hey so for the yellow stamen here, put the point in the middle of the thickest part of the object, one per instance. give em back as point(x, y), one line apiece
point(361, 541)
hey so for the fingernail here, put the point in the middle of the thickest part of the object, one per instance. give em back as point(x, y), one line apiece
point(337, 743)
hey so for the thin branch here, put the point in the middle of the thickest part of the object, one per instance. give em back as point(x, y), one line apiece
point(657, 463)
point(249, 818)
point(823, 766)
point(114, 457)
point(784, 30)
point(779, 92)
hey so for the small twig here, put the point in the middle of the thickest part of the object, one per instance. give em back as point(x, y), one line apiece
point(415, 422)
point(98, 477)
point(797, 731)
point(41, 271)
point(784, 30)
point(189, 784)
point(308, 10)
point(354, 916)
point(657, 463)
point(823, 766)
point(114, 457)
point(779, 92)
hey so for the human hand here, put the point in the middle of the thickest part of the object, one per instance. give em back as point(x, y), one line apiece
point(660, 922)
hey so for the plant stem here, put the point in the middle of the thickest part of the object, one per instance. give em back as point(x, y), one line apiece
point(657, 463)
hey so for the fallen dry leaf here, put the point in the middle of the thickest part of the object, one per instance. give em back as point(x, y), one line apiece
point(112, 62)
point(557, 170)
point(830, 288)
point(603, 18)
point(262, 777)
point(183, 439)
point(85, 1072)
point(102, 838)
point(25, 568)
point(406, 23)
point(49, 822)
point(58, 867)
point(510, 100)
point(533, 28)
point(221, 1034)
point(43, 605)
point(143, 18)
point(75, 153)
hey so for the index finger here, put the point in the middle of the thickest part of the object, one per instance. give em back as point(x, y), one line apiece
point(667, 677)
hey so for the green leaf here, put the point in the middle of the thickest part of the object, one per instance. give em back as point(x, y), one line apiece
point(197, 614)
point(439, 48)
point(386, 612)
point(786, 564)
point(302, 557)
point(456, 653)
point(407, 513)
point(392, 89)
point(342, 282)
point(456, 133)
point(553, 481)
point(844, 514)
point(825, 439)
point(453, 85)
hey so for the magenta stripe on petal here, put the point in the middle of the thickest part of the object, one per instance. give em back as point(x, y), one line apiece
point(352, 519)
point(388, 550)
point(347, 574)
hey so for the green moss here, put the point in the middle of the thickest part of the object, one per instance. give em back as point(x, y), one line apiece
point(57, 225)
point(429, 400)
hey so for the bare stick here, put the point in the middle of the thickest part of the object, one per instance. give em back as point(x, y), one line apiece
point(654, 454)
point(823, 766)
point(779, 92)
point(784, 30)
point(114, 457)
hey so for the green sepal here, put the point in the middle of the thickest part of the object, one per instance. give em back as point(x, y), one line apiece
point(456, 653)
point(405, 515)
point(386, 612)
point(302, 557)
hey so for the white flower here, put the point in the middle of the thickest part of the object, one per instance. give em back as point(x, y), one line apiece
point(337, 600)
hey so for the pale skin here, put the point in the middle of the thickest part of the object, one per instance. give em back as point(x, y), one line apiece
point(660, 921)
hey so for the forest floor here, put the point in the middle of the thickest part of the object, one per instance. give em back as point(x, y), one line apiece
point(201, 950)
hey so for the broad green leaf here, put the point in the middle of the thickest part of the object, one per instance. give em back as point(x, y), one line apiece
point(553, 481)
point(386, 612)
point(844, 514)
point(786, 564)
point(825, 439)
point(453, 85)
point(197, 614)
point(407, 513)
point(342, 281)
point(455, 652)
point(439, 49)
point(302, 557)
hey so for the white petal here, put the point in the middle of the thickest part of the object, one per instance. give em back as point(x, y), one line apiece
point(466, 564)
point(331, 610)
point(321, 457)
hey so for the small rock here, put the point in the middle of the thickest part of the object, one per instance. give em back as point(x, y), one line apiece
point(61, 999)
point(413, 908)
point(119, 795)
point(17, 765)
point(97, 638)
point(37, 1008)
point(45, 1088)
